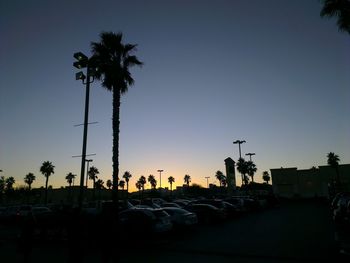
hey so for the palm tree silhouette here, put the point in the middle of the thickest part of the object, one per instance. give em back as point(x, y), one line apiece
point(171, 180)
point(99, 186)
point(121, 184)
point(251, 169)
point(70, 178)
point(220, 176)
point(339, 9)
point(187, 179)
point(47, 169)
point(266, 177)
point(142, 181)
point(139, 187)
point(109, 184)
point(29, 179)
point(113, 59)
point(127, 175)
point(333, 161)
point(9, 182)
point(92, 173)
point(242, 167)
point(152, 181)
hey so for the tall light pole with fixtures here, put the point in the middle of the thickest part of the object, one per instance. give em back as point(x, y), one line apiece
point(250, 155)
point(239, 145)
point(160, 178)
point(84, 62)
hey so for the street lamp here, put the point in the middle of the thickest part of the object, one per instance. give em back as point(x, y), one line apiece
point(84, 62)
point(87, 171)
point(160, 178)
point(207, 177)
point(250, 155)
point(239, 145)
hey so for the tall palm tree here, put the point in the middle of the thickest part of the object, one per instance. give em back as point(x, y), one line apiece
point(242, 167)
point(187, 179)
point(92, 173)
point(266, 177)
point(339, 9)
point(113, 59)
point(333, 161)
point(152, 181)
point(251, 169)
point(142, 182)
point(47, 168)
point(29, 179)
point(109, 184)
point(220, 176)
point(127, 175)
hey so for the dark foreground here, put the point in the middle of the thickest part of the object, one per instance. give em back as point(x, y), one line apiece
point(295, 232)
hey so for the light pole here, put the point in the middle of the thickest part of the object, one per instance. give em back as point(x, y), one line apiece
point(87, 171)
point(250, 155)
point(84, 62)
point(160, 178)
point(207, 177)
point(239, 145)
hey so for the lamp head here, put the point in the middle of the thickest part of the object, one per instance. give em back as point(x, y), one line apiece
point(80, 75)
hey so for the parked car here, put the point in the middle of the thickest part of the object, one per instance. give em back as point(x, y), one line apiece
point(170, 205)
point(206, 213)
point(181, 217)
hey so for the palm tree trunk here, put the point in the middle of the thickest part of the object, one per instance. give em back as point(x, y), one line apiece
point(47, 180)
point(127, 190)
point(115, 150)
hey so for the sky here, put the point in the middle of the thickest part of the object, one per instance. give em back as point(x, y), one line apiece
point(273, 73)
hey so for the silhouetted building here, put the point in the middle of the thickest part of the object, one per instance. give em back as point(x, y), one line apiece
point(314, 182)
point(230, 174)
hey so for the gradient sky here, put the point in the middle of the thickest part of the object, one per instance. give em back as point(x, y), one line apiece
point(270, 72)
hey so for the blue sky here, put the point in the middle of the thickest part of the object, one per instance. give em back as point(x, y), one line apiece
point(270, 72)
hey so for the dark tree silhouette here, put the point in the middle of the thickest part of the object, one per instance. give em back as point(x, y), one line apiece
point(333, 161)
point(152, 181)
point(139, 187)
point(339, 9)
point(220, 177)
point(29, 179)
point(187, 179)
point(142, 182)
point(171, 180)
point(99, 186)
point(47, 168)
point(109, 184)
point(127, 175)
point(9, 182)
point(92, 173)
point(242, 167)
point(121, 184)
point(113, 59)
point(251, 169)
point(70, 178)
point(266, 177)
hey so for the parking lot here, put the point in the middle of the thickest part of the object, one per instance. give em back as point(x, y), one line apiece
point(298, 231)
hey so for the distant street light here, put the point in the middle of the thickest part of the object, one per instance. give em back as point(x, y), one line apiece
point(207, 177)
point(250, 155)
point(84, 62)
point(239, 145)
point(160, 178)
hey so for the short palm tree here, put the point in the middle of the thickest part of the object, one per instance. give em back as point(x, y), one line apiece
point(220, 176)
point(29, 179)
point(113, 59)
point(121, 184)
point(9, 182)
point(339, 9)
point(251, 169)
point(109, 184)
point(266, 177)
point(139, 187)
point(333, 161)
point(127, 175)
point(152, 181)
point(70, 178)
point(99, 186)
point(143, 181)
point(92, 173)
point(47, 168)
point(171, 180)
point(187, 179)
